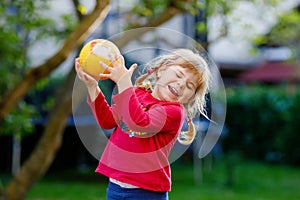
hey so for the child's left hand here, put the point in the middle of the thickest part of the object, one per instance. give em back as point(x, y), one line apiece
point(119, 73)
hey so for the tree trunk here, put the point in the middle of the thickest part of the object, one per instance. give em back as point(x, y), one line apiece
point(1, 191)
point(44, 153)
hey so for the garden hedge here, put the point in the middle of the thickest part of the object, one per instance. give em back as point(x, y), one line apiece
point(263, 123)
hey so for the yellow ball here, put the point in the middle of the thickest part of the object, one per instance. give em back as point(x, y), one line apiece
point(95, 51)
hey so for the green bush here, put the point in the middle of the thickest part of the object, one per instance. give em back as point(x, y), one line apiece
point(263, 123)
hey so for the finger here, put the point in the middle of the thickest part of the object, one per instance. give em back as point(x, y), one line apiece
point(133, 67)
point(77, 65)
point(105, 76)
point(105, 66)
point(120, 58)
point(86, 76)
point(78, 70)
point(116, 59)
point(82, 75)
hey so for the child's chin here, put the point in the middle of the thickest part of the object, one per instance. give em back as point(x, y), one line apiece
point(173, 100)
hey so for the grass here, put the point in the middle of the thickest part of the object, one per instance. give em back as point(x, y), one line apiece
point(255, 181)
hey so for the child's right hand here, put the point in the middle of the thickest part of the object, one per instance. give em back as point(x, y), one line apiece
point(88, 80)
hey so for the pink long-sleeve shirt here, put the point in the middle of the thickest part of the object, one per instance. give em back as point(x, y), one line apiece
point(145, 130)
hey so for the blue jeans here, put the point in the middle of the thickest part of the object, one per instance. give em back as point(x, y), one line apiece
point(116, 192)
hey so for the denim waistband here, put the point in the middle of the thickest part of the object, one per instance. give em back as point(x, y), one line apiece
point(115, 190)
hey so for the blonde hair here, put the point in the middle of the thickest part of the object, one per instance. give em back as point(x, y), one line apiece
point(187, 59)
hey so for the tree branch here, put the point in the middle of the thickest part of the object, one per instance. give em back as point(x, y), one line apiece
point(76, 38)
point(140, 30)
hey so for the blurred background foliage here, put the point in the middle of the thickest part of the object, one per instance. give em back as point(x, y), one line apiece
point(22, 24)
point(15, 28)
point(263, 123)
point(284, 33)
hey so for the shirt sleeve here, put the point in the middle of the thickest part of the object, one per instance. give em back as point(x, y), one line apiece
point(102, 112)
point(141, 121)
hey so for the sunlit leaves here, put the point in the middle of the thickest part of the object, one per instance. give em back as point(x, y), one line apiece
point(145, 10)
point(288, 28)
point(285, 33)
point(19, 122)
point(190, 6)
point(201, 27)
point(82, 9)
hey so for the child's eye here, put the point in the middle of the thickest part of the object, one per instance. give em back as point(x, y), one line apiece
point(178, 75)
point(190, 86)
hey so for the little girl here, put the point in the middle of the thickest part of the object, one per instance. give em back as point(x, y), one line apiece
point(147, 119)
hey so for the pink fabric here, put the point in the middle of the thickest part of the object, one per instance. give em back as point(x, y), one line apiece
point(140, 161)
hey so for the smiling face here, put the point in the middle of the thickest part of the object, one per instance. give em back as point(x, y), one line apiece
point(176, 84)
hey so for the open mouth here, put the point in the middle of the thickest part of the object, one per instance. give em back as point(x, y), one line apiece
point(173, 91)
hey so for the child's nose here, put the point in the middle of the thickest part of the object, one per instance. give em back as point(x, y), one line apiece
point(181, 84)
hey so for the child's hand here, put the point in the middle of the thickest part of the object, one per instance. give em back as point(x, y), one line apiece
point(119, 73)
point(88, 80)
